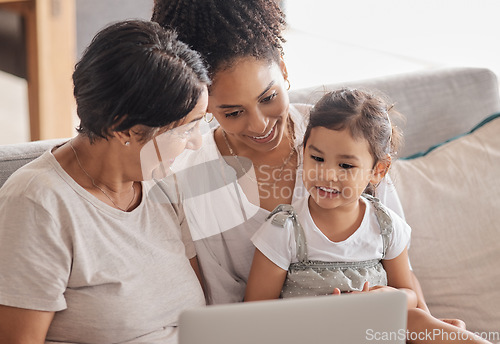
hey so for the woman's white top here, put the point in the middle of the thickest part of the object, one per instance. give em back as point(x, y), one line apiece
point(279, 245)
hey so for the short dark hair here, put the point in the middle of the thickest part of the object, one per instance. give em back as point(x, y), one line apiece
point(224, 30)
point(136, 73)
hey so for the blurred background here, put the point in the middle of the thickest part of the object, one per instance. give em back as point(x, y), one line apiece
point(327, 41)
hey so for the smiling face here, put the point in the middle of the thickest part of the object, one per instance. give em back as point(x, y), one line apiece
point(250, 102)
point(337, 168)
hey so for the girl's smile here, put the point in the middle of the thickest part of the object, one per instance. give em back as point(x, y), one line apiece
point(326, 192)
point(337, 168)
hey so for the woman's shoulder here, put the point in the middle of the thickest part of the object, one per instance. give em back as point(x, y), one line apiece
point(30, 178)
point(301, 108)
point(299, 114)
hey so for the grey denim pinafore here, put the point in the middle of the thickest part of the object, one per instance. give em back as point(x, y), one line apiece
point(311, 278)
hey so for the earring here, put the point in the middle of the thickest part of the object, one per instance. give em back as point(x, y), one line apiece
point(206, 118)
point(288, 82)
point(127, 143)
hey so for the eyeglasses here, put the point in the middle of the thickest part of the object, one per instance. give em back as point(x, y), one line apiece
point(180, 133)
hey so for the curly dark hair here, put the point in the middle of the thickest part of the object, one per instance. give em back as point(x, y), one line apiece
point(223, 30)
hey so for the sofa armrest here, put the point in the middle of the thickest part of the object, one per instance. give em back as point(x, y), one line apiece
point(437, 104)
point(16, 155)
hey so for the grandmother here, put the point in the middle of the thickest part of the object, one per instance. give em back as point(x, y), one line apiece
point(86, 255)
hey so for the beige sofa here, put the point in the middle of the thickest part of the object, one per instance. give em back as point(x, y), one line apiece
point(451, 195)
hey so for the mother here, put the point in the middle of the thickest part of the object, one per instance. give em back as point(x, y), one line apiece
point(241, 42)
point(86, 254)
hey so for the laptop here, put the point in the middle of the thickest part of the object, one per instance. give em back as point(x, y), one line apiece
point(346, 318)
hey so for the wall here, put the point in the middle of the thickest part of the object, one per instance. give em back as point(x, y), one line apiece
point(93, 15)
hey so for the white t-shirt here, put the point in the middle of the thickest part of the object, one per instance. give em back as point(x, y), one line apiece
point(278, 243)
point(222, 219)
point(110, 276)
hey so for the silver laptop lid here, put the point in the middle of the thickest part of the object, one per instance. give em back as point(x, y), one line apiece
point(355, 318)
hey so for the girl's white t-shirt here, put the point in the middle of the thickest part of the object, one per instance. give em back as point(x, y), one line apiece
point(279, 245)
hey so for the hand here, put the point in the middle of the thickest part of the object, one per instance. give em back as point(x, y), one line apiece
point(377, 288)
point(366, 287)
point(336, 291)
point(455, 322)
point(381, 288)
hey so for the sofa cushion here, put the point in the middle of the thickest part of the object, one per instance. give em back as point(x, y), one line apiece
point(451, 198)
point(14, 156)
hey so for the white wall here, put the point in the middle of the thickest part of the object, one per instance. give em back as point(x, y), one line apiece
point(358, 39)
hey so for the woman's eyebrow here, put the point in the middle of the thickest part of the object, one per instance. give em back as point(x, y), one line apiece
point(229, 106)
point(226, 106)
point(267, 89)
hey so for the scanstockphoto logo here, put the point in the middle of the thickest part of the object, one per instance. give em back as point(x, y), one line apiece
point(384, 336)
point(271, 174)
point(257, 182)
point(216, 195)
point(201, 181)
point(437, 335)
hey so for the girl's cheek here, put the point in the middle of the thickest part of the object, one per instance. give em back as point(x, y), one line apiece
point(309, 174)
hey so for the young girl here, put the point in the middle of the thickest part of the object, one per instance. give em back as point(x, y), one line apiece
point(339, 238)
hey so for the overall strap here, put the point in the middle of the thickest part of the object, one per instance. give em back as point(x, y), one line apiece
point(384, 221)
point(280, 215)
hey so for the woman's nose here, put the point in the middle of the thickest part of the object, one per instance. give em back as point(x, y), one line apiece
point(194, 141)
point(257, 122)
